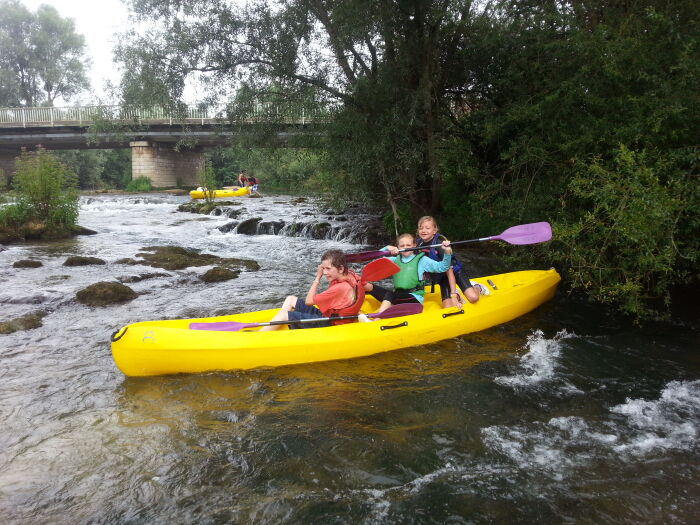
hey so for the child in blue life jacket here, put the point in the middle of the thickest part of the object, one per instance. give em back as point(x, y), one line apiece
point(408, 282)
point(454, 276)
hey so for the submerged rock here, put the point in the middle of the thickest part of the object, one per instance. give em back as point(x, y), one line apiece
point(79, 260)
point(178, 258)
point(82, 230)
point(205, 207)
point(27, 263)
point(104, 293)
point(219, 274)
point(142, 277)
point(26, 322)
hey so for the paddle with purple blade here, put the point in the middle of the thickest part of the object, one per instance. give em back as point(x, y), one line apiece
point(532, 233)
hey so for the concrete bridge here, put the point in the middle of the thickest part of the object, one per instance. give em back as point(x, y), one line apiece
point(166, 145)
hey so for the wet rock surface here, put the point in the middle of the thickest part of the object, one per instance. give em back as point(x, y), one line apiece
point(26, 322)
point(79, 260)
point(105, 293)
point(142, 277)
point(206, 207)
point(219, 274)
point(35, 229)
point(249, 226)
point(178, 258)
point(27, 263)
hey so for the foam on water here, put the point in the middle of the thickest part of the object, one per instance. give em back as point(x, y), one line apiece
point(540, 364)
point(671, 422)
point(560, 445)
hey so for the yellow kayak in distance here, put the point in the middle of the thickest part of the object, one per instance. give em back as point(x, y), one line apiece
point(221, 194)
point(169, 347)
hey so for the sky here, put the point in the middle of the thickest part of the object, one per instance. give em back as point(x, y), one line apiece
point(98, 21)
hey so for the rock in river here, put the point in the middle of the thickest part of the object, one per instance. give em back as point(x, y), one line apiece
point(104, 293)
point(219, 274)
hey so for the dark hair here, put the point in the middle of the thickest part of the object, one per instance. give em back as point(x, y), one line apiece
point(337, 259)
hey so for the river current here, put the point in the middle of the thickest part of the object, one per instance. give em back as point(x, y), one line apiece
point(564, 415)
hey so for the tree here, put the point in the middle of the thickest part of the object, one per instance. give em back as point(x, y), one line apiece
point(41, 56)
point(388, 73)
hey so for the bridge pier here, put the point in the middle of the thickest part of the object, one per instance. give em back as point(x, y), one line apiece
point(164, 166)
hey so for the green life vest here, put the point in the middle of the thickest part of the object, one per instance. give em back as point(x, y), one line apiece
point(407, 277)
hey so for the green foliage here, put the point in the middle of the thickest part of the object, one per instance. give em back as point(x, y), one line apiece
point(486, 114)
point(207, 180)
point(139, 185)
point(621, 249)
point(45, 194)
point(99, 168)
point(116, 168)
point(41, 56)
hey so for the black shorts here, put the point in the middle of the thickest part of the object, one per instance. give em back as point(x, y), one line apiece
point(441, 278)
point(393, 296)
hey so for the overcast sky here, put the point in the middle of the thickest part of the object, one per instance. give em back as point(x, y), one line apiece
point(98, 21)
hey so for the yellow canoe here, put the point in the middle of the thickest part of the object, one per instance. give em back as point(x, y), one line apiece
point(170, 347)
point(220, 194)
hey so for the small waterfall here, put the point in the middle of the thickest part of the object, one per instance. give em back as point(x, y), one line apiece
point(321, 230)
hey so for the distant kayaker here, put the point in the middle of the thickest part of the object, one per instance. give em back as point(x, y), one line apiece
point(454, 276)
point(253, 183)
point(242, 179)
point(344, 295)
point(409, 281)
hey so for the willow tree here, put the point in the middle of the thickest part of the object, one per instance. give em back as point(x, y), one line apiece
point(385, 66)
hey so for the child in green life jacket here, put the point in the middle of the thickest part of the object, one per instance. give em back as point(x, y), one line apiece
point(408, 282)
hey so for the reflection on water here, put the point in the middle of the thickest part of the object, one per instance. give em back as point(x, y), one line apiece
point(558, 416)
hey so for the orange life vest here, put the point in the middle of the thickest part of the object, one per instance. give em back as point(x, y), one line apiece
point(354, 308)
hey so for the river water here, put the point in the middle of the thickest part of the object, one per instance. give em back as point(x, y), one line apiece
point(564, 415)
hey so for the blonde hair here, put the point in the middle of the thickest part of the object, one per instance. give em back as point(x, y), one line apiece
point(406, 235)
point(425, 218)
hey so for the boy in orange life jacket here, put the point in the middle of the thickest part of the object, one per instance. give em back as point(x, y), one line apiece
point(343, 296)
point(242, 179)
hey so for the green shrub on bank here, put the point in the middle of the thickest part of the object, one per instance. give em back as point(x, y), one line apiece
point(139, 185)
point(46, 198)
point(207, 179)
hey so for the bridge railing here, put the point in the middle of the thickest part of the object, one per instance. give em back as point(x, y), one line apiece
point(86, 115)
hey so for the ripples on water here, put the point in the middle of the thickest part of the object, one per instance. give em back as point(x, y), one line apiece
point(559, 416)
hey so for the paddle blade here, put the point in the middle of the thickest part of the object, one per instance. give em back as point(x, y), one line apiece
point(378, 270)
point(526, 234)
point(398, 310)
point(365, 256)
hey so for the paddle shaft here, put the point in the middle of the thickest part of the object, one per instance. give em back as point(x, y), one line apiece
point(303, 321)
point(452, 243)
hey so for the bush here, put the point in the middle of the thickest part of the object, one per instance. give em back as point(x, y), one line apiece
point(621, 250)
point(139, 185)
point(46, 196)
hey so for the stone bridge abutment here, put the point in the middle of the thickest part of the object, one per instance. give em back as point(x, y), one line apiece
point(163, 165)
